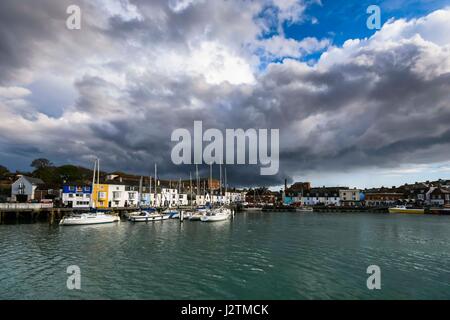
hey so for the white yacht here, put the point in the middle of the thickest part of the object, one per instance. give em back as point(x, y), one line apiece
point(218, 214)
point(198, 213)
point(94, 217)
point(88, 218)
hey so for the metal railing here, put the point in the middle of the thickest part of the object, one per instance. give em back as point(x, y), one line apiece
point(25, 205)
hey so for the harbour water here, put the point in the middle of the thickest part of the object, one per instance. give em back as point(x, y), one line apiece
point(255, 256)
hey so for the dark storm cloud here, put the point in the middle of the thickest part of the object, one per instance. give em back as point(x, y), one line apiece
point(140, 76)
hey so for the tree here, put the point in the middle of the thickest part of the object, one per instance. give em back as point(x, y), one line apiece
point(41, 163)
point(3, 171)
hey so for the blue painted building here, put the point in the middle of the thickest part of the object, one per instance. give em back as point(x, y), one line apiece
point(76, 196)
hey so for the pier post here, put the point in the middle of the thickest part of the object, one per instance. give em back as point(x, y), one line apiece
point(2, 217)
point(181, 215)
point(51, 217)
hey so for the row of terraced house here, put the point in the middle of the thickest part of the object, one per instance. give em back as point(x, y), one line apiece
point(122, 190)
point(435, 193)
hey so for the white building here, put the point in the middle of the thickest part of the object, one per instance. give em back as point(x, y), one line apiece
point(350, 197)
point(233, 197)
point(24, 189)
point(121, 195)
point(76, 197)
point(321, 196)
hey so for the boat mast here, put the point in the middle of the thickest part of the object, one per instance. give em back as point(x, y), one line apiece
point(190, 186)
point(93, 184)
point(98, 170)
point(226, 185)
point(197, 180)
point(150, 190)
point(140, 191)
point(220, 181)
point(156, 186)
point(210, 183)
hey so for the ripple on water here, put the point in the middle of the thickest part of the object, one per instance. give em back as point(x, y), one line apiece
point(256, 256)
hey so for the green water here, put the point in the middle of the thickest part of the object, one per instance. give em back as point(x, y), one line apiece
point(255, 256)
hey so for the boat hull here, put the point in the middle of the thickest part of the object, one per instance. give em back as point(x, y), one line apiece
point(149, 218)
point(213, 218)
point(407, 211)
point(79, 221)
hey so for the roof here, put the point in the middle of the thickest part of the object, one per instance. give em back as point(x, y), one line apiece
point(33, 180)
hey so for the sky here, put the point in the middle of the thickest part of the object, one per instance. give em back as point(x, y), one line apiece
point(355, 107)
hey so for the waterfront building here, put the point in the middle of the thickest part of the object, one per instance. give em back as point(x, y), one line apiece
point(293, 194)
point(350, 197)
point(382, 197)
point(100, 196)
point(327, 196)
point(260, 196)
point(122, 195)
point(24, 189)
point(234, 197)
point(439, 196)
point(415, 193)
point(76, 196)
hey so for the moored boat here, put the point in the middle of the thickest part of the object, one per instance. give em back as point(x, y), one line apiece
point(146, 216)
point(304, 209)
point(218, 214)
point(404, 209)
point(199, 212)
point(95, 216)
point(171, 213)
point(444, 211)
point(88, 218)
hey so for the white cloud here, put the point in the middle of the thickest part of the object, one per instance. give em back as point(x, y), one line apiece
point(279, 47)
point(13, 92)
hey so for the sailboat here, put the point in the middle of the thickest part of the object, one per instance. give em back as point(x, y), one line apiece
point(217, 214)
point(150, 214)
point(200, 210)
point(139, 210)
point(253, 207)
point(93, 217)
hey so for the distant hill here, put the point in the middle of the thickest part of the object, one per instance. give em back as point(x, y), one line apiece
point(55, 177)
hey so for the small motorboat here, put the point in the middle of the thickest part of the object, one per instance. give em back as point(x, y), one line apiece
point(171, 213)
point(218, 214)
point(304, 209)
point(88, 218)
point(139, 213)
point(404, 209)
point(147, 216)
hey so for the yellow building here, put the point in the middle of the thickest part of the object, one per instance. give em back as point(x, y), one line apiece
point(100, 196)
